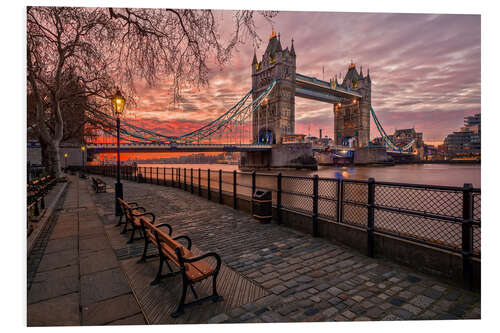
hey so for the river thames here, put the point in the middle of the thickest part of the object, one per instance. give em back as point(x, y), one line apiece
point(430, 174)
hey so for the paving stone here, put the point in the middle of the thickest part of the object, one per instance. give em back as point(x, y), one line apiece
point(391, 317)
point(411, 308)
point(271, 283)
point(330, 312)
point(261, 311)
point(278, 289)
point(348, 314)
point(48, 289)
point(374, 312)
point(304, 303)
point(288, 276)
point(286, 310)
point(407, 315)
point(335, 300)
point(406, 295)
point(250, 307)
point(358, 298)
point(315, 299)
point(99, 286)
point(432, 293)
point(109, 310)
point(335, 291)
point(58, 260)
point(98, 261)
point(272, 317)
point(59, 311)
point(422, 301)
point(453, 295)
point(247, 316)
point(304, 279)
point(290, 284)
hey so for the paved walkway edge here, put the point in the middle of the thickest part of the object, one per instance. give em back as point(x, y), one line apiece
point(46, 217)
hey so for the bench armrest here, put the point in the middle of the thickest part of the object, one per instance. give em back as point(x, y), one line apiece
point(139, 208)
point(203, 256)
point(165, 225)
point(133, 203)
point(146, 213)
point(186, 238)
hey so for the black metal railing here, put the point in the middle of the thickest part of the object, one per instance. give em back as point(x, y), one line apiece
point(444, 217)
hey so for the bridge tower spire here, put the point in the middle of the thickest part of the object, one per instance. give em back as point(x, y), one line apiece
point(276, 117)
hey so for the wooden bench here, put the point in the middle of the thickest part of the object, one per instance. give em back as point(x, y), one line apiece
point(192, 268)
point(99, 185)
point(132, 212)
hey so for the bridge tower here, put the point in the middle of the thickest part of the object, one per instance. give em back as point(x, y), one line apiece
point(352, 119)
point(276, 116)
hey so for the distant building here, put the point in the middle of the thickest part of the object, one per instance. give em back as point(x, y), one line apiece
point(402, 137)
point(467, 141)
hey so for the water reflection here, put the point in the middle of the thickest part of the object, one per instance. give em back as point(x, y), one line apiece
point(432, 174)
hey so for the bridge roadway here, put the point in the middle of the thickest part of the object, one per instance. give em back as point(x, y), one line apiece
point(176, 147)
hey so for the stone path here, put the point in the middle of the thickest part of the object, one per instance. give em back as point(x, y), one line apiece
point(76, 276)
point(309, 279)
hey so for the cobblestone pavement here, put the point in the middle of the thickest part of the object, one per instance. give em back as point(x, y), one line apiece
point(308, 279)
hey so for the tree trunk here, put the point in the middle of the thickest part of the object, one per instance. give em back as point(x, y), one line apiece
point(54, 158)
point(44, 153)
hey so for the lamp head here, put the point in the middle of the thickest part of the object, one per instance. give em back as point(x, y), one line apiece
point(83, 148)
point(118, 102)
point(65, 154)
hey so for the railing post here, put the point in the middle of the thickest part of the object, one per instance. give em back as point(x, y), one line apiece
point(185, 184)
point(192, 189)
point(339, 200)
point(199, 182)
point(37, 211)
point(371, 217)
point(172, 179)
point(278, 197)
point(209, 195)
point(253, 183)
point(220, 186)
point(235, 198)
point(157, 177)
point(467, 239)
point(42, 202)
point(151, 175)
point(315, 206)
point(164, 176)
point(179, 177)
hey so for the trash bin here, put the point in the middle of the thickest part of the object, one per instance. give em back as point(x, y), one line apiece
point(262, 205)
point(139, 178)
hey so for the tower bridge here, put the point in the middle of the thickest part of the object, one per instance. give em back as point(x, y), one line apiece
point(268, 117)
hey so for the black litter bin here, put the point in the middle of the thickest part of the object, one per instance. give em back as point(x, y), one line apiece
point(139, 178)
point(262, 206)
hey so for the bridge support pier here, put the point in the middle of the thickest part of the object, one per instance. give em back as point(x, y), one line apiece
point(282, 156)
point(372, 155)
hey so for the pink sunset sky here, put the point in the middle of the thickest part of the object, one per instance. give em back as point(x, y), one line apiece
point(425, 71)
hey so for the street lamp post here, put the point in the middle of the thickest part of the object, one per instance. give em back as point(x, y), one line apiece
point(83, 162)
point(118, 102)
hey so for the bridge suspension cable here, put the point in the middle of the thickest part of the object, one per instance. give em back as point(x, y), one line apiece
point(386, 137)
point(231, 120)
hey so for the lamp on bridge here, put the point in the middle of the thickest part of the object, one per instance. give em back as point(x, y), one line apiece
point(118, 102)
